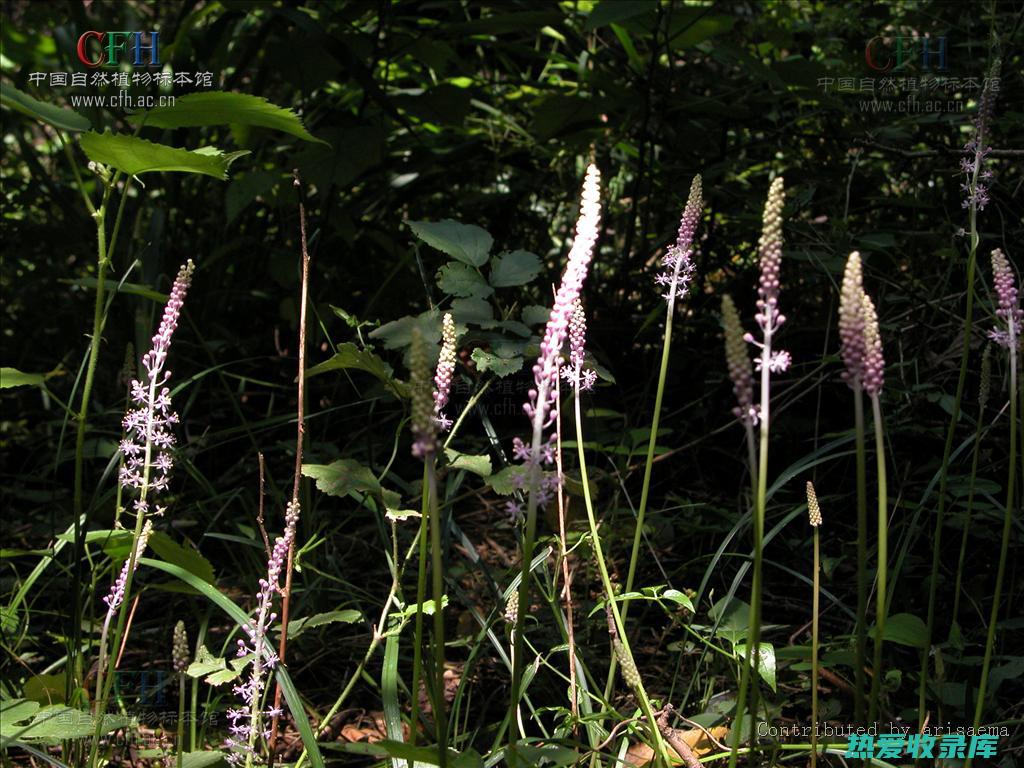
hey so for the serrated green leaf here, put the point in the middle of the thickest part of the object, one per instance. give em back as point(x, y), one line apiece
point(478, 465)
point(222, 108)
point(535, 314)
point(500, 366)
point(51, 114)
point(458, 279)
point(466, 242)
point(398, 333)
point(297, 626)
point(12, 377)
point(505, 481)
point(514, 268)
point(472, 310)
point(133, 156)
point(205, 663)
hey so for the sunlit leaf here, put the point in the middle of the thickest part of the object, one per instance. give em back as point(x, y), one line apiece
point(133, 156)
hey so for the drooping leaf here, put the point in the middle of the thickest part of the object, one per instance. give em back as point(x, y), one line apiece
point(608, 11)
point(766, 662)
point(12, 377)
point(185, 557)
point(463, 280)
point(133, 156)
point(514, 268)
point(222, 108)
point(398, 333)
point(51, 114)
point(351, 356)
point(297, 626)
point(466, 242)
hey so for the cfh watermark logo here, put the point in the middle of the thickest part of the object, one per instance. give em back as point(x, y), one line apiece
point(111, 49)
point(894, 54)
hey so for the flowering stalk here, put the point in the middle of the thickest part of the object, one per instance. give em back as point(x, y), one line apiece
point(426, 407)
point(769, 319)
point(676, 279)
point(978, 143)
point(1009, 312)
point(814, 517)
point(873, 379)
point(540, 401)
point(851, 336)
point(985, 384)
point(741, 371)
point(247, 722)
point(620, 642)
point(146, 467)
point(179, 658)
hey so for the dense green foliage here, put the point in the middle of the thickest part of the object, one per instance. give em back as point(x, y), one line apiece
point(440, 147)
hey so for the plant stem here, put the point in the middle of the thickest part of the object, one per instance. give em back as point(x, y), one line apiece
point(641, 511)
point(967, 520)
point(437, 577)
point(814, 650)
point(1007, 527)
point(180, 741)
point(660, 753)
point(947, 450)
point(563, 557)
point(421, 594)
point(748, 677)
point(883, 558)
point(861, 630)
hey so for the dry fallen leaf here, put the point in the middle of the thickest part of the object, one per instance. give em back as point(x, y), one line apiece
point(640, 754)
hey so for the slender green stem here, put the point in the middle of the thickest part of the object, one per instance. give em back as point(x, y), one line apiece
point(661, 755)
point(883, 558)
point(179, 743)
point(421, 594)
point(940, 517)
point(1011, 483)
point(967, 520)
point(748, 677)
point(634, 556)
point(437, 577)
point(861, 631)
point(814, 649)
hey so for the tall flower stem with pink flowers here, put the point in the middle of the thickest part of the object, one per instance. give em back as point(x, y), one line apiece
point(147, 464)
point(976, 197)
point(540, 412)
point(1010, 313)
point(580, 381)
point(770, 360)
point(676, 279)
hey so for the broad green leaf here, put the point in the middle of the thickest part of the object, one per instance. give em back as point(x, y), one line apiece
point(766, 662)
point(351, 356)
point(608, 11)
point(425, 755)
point(297, 626)
point(17, 710)
point(12, 377)
point(466, 242)
point(472, 310)
point(185, 557)
point(133, 156)
point(398, 333)
point(205, 663)
point(458, 279)
point(523, 755)
point(223, 108)
point(202, 760)
point(535, 314)
point(478, 465)
point(904, 629)
point(342, 477)
point(46, 689)
point(56, 723)
point(514, 268)
point(505, 481)
point(501, 366)
point(58, 117)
